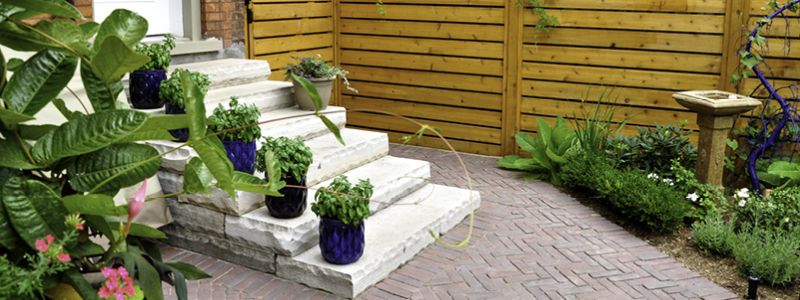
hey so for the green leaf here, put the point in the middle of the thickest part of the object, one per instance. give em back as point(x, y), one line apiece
point(86, 249)
point(310, 89)
point(13, 156)
point(165, 122)
point(8, 237)
point(12, 118)
point(114, 59)
point(94, 204)
point(733, 144)
point(526, 142)
point(22, 38)
point(34, 132)
point(14, 64)
point(89, 29)
point(65, 34)
point(195, 107)
point(87, 133)
point(34, 209)
point(189, 271)
point(785, 169)
point(216, 159)
point(113, 167)
point(62, 108)
point(53, 7)
point(103, 96)
point(196, 177)
point(249, 183)
point(125, 25)
point(331, 127)
point(38, 81)
point(100, 224)
point(149, 279)
point(79, 283)
point(3, 70)
point(142, 230)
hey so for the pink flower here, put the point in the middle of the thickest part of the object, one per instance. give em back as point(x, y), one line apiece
point(63, 257)
point(117, 285)
point(137, 202)
point(43, 245)
point(79, 226)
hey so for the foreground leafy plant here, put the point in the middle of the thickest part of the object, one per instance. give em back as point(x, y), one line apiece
point(548, 151)
point(48, 172)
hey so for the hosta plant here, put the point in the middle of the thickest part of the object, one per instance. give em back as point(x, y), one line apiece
point(49, 173)
point(548, 151)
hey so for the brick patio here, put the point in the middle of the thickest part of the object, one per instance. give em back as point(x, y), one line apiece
point(530, 241)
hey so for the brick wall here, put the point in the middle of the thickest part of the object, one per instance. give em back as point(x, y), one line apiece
point(223, 19)
point(85, 6)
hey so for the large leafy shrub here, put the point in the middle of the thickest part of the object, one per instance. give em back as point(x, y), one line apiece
point(655, 205)
point(653, 149)
point(236, 122)
point(48, 172)
point(548, 151)
point(292, 156)
point(343, 201)
point(780, 210)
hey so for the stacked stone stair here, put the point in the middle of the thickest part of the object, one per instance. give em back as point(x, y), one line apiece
point(405, 207)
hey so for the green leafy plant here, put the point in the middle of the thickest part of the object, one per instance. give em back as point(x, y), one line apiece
point(653, 149)
point(771, 255)
point(781, 173)
point(172, 89)
point(548, 151)
point(653, 204)
point(779, 210)
point(546, 21)
point(593, 128)
point(714, 235)
point(706, 199)
point(343, 201)
point(48, 172)
point(159, 53)
point(236, 122)
point(292, 156)
point(316, 67)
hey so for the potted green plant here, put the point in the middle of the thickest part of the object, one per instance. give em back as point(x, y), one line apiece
point(320, 73)
point(293, 157)
point(342, 209)
point(172, 93)
point(145, 82)
point(238, 138)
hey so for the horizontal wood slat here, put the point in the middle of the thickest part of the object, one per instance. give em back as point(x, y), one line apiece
point(634, 21)
point(292, 27)
point(490, 15)
point(292, 10)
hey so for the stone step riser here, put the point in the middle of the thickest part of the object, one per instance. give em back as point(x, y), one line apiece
point(229, 72)
point(266, 95)
point(393, 178)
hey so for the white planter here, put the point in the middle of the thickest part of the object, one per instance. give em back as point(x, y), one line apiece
point(324, 88)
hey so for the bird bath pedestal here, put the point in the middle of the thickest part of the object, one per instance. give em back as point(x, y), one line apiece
point(716, 114)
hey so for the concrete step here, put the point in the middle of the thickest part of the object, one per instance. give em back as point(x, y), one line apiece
point(294, 122)
point(393, 236)
point(330, 159)
point(267, 95)
point(393, 178)
point(230, 71)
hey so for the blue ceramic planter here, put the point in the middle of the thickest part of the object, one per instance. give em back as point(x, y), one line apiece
point(182, 134)
point(293, 202)
point(242, 155)
point(144, 88)
point(339, 243)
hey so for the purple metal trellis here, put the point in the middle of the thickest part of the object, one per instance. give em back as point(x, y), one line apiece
point(759, 150)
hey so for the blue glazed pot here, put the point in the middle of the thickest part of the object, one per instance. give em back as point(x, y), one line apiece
point(182, 134)
point(242, 155)
point(339, 243)
point(144, 88)
point(293, 202)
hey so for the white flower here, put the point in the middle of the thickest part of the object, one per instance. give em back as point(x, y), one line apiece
point(653, 176)
point(744, 193)
point(742, 202)
point(786, 220)
point(692, 197)
point(668, 181)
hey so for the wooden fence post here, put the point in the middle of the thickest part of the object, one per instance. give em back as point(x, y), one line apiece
point(336, 98)
point(737, 16)
point(512, 75)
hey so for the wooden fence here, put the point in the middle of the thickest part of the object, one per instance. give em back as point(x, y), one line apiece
point(479, 71)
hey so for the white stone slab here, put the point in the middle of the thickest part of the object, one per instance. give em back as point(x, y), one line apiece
point(230, 71)
point(301, 125)
point(331, 158)
point(393, 236)
point(217, 200)
point(267, 95)
point(393, 178)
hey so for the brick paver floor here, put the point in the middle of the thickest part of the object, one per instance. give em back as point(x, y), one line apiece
point(530, 241)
